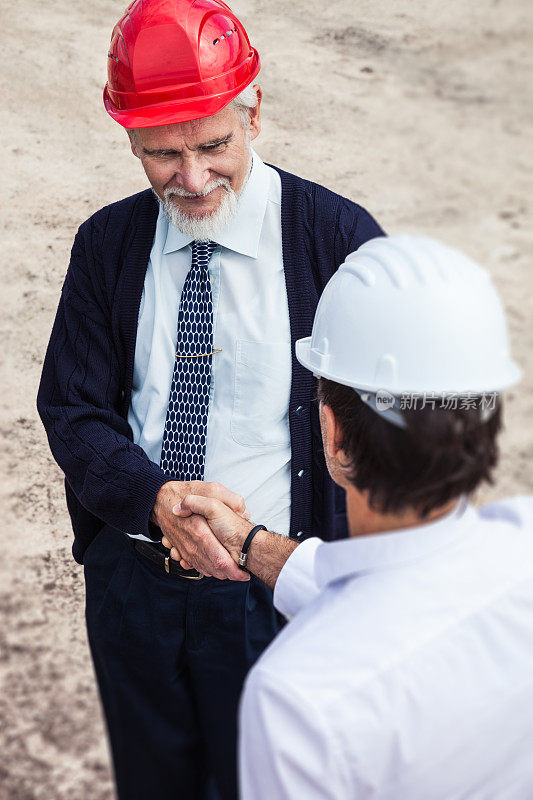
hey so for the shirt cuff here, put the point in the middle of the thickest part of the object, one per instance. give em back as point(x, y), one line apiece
point(296, 586)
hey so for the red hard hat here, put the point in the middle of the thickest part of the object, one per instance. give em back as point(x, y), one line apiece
point(176, 60)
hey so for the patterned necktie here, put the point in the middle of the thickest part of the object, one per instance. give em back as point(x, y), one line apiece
point(184, 437)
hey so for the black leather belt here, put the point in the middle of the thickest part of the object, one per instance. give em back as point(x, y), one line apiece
point(160, 555)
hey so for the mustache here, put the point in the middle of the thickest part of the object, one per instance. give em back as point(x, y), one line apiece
point(210, 186)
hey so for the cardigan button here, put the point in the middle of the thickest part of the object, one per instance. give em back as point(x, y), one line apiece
point(299, 410)
point(301, 473)
point(300, 534)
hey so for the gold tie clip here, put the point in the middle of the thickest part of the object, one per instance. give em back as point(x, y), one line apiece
point(201, 355)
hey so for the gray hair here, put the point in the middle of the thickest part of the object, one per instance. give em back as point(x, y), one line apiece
point(243, 104)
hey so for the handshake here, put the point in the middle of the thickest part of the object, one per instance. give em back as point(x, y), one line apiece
point(204, 525)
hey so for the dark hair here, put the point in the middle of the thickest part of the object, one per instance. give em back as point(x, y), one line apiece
point(442, 453)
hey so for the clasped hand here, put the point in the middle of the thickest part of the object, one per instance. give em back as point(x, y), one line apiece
point(204, 526)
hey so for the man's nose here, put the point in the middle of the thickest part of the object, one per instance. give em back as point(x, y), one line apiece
point(192, 176)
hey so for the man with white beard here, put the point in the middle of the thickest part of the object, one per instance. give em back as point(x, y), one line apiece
point(171, 370)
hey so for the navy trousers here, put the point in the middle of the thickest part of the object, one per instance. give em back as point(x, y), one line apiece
point(170, 657)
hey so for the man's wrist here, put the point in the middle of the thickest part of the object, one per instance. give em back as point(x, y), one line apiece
point(235, 544)
point(267, 554)
point(248, 543)
point(259, 540)
point(162, 500)
point(257, 545)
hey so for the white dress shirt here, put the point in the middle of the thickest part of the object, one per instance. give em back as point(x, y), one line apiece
point(406, 672)
point(248, 446)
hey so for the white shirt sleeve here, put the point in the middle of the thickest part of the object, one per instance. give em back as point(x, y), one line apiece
point(296, 585)
point(285, 750)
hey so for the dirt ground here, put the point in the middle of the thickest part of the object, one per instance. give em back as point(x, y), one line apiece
point(421, 111)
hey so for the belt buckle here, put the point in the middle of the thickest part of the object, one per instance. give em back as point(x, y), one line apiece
point(194, 577)
point(188, 577)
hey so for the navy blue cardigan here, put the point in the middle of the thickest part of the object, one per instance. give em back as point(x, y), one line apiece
point(85, 388)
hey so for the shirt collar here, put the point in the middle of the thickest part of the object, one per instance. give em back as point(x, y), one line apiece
point(244, 231)
point(360, 555)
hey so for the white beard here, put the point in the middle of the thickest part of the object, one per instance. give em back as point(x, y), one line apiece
point(206, 227)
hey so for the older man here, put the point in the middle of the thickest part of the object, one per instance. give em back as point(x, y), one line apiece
point(171, 369)
point(407, 669)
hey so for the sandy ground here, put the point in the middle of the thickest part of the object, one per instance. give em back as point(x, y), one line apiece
point(421, 111)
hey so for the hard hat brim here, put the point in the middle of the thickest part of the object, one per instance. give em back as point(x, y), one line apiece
point(182, 110)
point(304, 354)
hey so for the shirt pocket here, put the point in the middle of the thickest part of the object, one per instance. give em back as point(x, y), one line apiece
point(260, 415)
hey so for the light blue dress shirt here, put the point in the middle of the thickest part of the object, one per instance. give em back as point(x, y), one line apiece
point(248, 445)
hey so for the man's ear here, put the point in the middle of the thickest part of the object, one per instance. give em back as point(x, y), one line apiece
point(332, 430)
point(255, 114)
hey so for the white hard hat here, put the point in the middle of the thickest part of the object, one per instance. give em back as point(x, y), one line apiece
point(407, 314)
